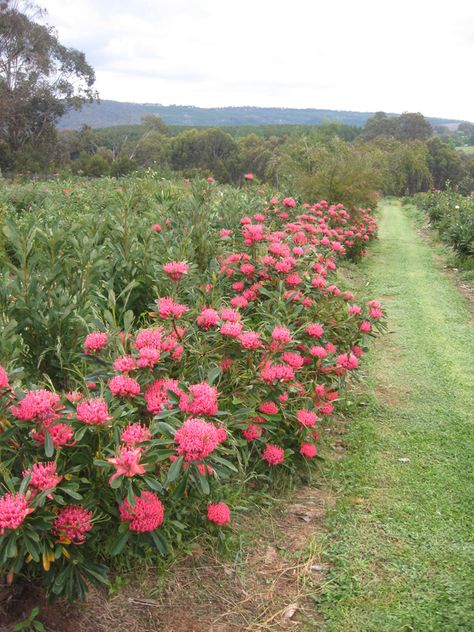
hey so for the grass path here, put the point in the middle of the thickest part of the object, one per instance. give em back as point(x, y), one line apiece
point(402, 532)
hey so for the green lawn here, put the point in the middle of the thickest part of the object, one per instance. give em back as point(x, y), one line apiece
point(401, 535)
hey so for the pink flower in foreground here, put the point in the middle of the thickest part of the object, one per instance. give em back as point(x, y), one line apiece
point(289, 202)
point(124, 386)
point(93, 411)
point(146, 515)
point(124, 364)
point(196, 439)
point(3, 378)
point(250, 340)
point(248, 176)
point(176, 269)
point(281, 334)
point(149, 338)
point(157, 228)
point(135, 433)
point(167, 308)
point(308, 450)
point(72, 523)
point(273, 454)
point(95, 341)
point(268, 408)
point(252, 432)
point(13, 510)
point(149, 356)
point(156, 395)
point(233, 330)
point(207, 318)
point(39, 405)
point(61, 435)
point(43, 476)
point(365, 327)
point(127, 463)
point(306, 417)
point(225, 232)
point(202, 400)
point(219, 513)
point(315, 330)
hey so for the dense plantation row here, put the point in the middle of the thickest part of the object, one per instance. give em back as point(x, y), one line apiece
point(452, 215)
point(217, 340)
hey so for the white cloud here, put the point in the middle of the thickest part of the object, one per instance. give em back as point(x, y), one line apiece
point(367, 55)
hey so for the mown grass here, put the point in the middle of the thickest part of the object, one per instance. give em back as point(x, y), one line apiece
point(401, 534)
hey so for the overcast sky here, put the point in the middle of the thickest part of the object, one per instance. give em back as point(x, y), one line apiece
point(364, 55)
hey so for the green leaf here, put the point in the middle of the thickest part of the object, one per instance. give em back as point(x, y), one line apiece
point(159, 542)
point(213, 374)
point(48, 444)
point(225, 462)
point(174, 470)
point(120, 543)
point(153, 484)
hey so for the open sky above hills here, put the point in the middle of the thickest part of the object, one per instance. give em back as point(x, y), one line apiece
point(364, 56)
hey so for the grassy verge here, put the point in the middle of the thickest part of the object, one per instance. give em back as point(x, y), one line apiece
point(401, 535)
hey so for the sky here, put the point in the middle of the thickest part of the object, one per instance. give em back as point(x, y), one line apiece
point(364, 55)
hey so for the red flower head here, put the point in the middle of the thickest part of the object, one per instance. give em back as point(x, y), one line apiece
point(219, 513)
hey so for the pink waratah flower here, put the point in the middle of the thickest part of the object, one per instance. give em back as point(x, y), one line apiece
point(13, 510)
point(233, 330)
point(210, 180)
point(250, 340)
point(271, 373)
point(149, 356)
point(176, 269)
point(167, 308)
point(156, 395)
point(196, 439)
point(127, 463)
point(225, 232)
point(225, 364)
point(74, 396)
point(219, 513)
point(347, 360)
point(146, 515)
point(229, 315)
point(315, 330)
point(149, 338)
point(318, 352)
point(309, 450)
point(281, 334)
point(239, 301)
point(326, 408)
point(365, 327)
point(248, 176)
point(135, 433)
point(203, 400)
point(43, 476)
point(124, 386)
point(61, 435)
point(295, 360)
point(95, 341)
point(207, 318)
point(268, 408)
point(72, 523)
point(273, 454)
point(3, 378)
point(293, 280)
point(252, 432)
point(124, 364)
point(289, 202)
point(157, 228)
point(306, 417)
point(93, 411)
point(354, 309)
point(39, 405)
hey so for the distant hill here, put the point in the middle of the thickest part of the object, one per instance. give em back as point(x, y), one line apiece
point(111, 113)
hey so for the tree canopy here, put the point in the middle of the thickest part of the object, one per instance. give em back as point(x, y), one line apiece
point(40, 79)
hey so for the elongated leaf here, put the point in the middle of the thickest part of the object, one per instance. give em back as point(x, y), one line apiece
point(174, 470)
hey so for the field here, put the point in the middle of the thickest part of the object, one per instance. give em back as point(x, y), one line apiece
point(191, 386)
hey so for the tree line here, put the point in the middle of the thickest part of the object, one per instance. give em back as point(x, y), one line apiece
point(40, 80)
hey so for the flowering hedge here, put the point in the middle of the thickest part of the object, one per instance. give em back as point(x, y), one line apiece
point(227, 377)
